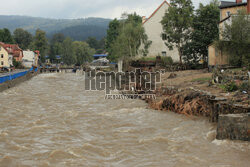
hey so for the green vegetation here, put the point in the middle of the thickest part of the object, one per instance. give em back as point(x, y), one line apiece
point(125, 38)
point(232, 86)
point(177, 23)
point(40, 43)
point(5, 36)
point(167, 60)
point(205, 31)
point(23, 38)
point(236, 40)
point(147, 58)
point(83, 52)
point(77, 29)
point(71, 52)
point(17, 64)
point(229, 87)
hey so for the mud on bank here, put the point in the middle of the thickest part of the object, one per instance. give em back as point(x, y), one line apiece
point(181, 93)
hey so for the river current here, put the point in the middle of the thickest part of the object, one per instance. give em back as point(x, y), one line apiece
point(51, 121)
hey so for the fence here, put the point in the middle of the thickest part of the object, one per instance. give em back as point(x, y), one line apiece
point(16, 75)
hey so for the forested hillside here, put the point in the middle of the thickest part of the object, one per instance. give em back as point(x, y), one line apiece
point(79, 29)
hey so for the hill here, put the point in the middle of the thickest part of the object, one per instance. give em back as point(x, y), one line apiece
point(78, 29)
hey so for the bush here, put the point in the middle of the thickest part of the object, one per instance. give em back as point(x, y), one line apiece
point(245, 86)
point(230, 87)
point(167, 60)
point(17, 64)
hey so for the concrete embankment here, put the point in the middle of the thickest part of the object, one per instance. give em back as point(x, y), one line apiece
point(232, 118)
point(11, 83)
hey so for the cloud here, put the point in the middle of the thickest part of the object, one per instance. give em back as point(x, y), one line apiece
point(80, 8)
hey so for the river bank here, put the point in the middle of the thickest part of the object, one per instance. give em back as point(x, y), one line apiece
point(10, 81)
point(190, 93)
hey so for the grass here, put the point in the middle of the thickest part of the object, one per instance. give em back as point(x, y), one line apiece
point(148, 58)
point(202, 80)
point(236, 69)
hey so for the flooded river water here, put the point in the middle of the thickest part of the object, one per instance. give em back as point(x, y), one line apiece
point(51, 121)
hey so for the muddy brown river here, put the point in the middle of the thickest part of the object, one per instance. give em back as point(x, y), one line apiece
point(51, 121)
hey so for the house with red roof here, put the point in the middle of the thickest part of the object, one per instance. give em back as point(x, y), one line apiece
point(14, 51)
point(5, 58)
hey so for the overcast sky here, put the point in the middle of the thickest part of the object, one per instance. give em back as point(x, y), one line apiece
point(81, 8)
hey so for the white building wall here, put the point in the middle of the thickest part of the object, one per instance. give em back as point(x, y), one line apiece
point(153, 29)
point(28, 58)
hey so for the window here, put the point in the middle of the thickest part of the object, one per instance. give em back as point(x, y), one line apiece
point(164, 54)
point(164, 36)
point(228, 13)
point(2, 63)
point(1, 55)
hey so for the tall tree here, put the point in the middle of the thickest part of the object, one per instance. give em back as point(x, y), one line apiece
point(58, 37)
point(177, 24)
point(236, 40)
point(129, 40)
point(68, 54)
point(41, 43)
point(205, 31)
point(83, 52)
point(112, 34)
point(55, 47)
point(23, 38)
point(5, 36)
point(93, 43)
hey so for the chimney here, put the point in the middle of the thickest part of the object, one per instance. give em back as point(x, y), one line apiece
point(248, 6)
point(143, 19)
point(238, 1)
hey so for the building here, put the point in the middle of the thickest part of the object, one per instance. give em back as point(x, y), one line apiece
point(14, 51)
point(30, 59)
point(5, 58)
point(154, 31)
point(228, 10)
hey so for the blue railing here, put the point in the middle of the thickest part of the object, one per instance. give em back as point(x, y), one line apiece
point(16, 75)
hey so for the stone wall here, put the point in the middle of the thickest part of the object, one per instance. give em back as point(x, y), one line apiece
point(234, 127)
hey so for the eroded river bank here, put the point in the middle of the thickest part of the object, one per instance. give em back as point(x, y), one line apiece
point(52, 121)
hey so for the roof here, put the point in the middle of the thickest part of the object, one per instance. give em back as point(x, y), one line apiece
point(100, 55)
point(12, 49)
point(156, 11)
point(227, 4)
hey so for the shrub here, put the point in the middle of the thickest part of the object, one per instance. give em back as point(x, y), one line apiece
point(229, 87)
point(167, 60)
point(245, 86)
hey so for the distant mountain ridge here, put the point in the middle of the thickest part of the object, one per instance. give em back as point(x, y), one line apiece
point(69, 27)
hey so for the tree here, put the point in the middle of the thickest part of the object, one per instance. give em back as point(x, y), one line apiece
point(40, 43)
point(56, 46)
point(177, 24)
point(93, 43)
point(129, 40)
point(5, 36)
point(236, 40)
point(83, 52)
point(58, 37)
point(68, 54)
point(205, 31)
point(23, 38)
point(112, 34)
